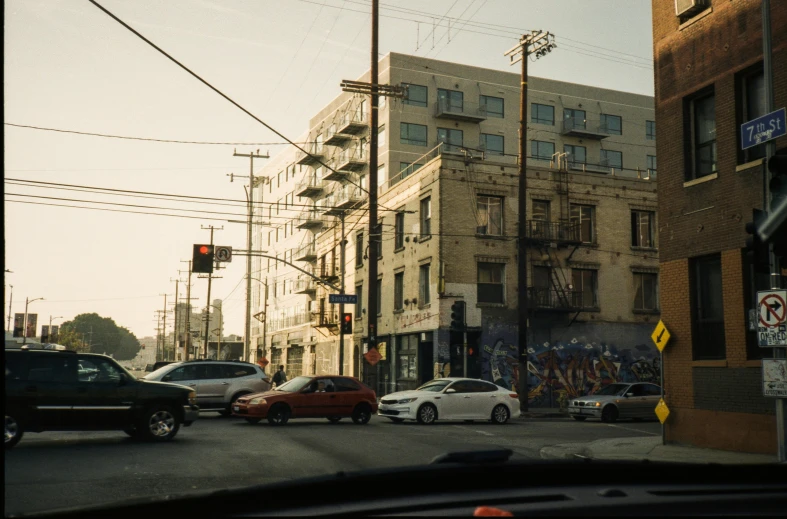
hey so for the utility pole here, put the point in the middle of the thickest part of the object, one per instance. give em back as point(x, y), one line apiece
point(164, 329)
point(341, 305)
point(187, 347)
point(538, 42)
point(10, 302)
point(250, 199)
point(175, 330)
point(770, 151)
point(207, 304)
point(159, 341)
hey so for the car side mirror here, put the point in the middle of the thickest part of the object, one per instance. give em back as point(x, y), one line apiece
point(166, 378)
point(123, 379)
point(448, 391)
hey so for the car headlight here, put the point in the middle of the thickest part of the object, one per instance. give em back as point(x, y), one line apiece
point(257, 401)
point(407, 400)
point(193, 397)
point(597, 404)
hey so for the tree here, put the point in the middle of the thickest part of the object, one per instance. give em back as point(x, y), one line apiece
point(102, 335)
point(72, 340)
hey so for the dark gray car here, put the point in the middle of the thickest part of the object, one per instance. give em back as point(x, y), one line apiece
point(617, 400)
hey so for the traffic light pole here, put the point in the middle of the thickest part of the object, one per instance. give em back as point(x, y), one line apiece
point(341, 305)
point(207, 303)
point(464, 341)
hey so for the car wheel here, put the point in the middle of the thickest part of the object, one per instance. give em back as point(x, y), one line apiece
point(362, 414)
point(609, 414)
point(427, 414)
point(580, 418)
point(159, 424)
point(500, 414)
point(279, 415)
point(253, 421)
point(396, 420)
point(334, 419)
point(13, 431)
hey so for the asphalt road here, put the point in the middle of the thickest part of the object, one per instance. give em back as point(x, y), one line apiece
point(57, 469)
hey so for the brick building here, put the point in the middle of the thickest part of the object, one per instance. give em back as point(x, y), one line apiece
point(709, 80)
point(448, 211)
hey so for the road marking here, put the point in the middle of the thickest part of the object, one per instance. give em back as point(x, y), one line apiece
point(474, 430)
point(632, 429)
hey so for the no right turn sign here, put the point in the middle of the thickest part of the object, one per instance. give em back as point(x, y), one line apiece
point(772, 318)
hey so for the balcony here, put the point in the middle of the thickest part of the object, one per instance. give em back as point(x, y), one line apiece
point(325, 319)
point(352, 159)
point(304, 285)
point(353, 123)
point(311, 219)
point(540, 231)
point(305, 252)
point(347, 198)
point(315, 155)
point(329, 273)
point(289, 321)
point(309, 187)
point(448, 148)
point(334, 138)
point(582, 128)
point(556, 300)
point(464, 111)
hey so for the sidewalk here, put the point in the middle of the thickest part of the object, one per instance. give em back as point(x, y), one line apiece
point(649, 448)
point(544, 412)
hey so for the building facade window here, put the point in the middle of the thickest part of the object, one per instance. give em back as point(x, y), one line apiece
point(424, 293)
point(585, 287)
point(399, 231)
point(450, 100)
point(380, 175)
point(359, 301)
point(542, 114)
point(650, 130)
point(584, 216)
point(453, 139)
point(541, 210)
point(491, 283)
point(612, 159)
point(490, 215)
point(573, 118)
point(751, 105)
point(492, 144)
point(575, 155)
point(492, 106)
point(407, 359)
point(413, 134)
point(646, 291)
point(381, 136)
point(651, 163)
point(359, 250)
point(417, 95)
point(426, 217)
point(611, 124)
point(406, 169)
point(707, 309)
point(398, 291)
point(700, 111)
point(541, 150)
point(643, 232)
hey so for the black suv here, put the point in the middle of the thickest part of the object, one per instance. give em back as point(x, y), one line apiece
point(65, 390)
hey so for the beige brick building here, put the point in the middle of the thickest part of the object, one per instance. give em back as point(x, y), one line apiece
point(449, 213)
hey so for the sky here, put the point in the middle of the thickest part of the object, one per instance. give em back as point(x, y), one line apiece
point(69, 66)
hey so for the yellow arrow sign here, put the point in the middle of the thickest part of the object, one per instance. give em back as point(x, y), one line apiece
point(662, 411)
point(660, 336)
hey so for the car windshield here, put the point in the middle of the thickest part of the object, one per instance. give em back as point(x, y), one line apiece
point(294, 385)
point(434, 386)
point(155, 375)
point(612, 390)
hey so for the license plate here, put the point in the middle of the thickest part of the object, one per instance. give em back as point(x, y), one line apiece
point(236, 408)
point(574, 410)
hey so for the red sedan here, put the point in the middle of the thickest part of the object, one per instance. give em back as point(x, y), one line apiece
point(331, 397)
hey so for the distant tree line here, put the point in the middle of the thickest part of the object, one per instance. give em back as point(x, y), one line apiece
point(95, 334)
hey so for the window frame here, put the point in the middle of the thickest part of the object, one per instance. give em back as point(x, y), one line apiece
point(605, 118)
point(492, 266)
point(535, 148)
point(571, 154)
point(483, 103)
point(482, 199)
point(650, 130)
point(406, 100)
point(425, 217)
point(594, 304)
point(604, 156)
point(592, 218)
point(636, 223)
point(424, 284)
point(399, 231)
point(742, 87)
point(399, 291)
point(485, 144)
point(404, 128)
point(691, 144)
point(535, 114)
point(639, 289)
point(705, 344)
point(359, 249)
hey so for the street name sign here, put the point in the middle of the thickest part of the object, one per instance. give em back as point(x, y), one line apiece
point(661, 335)
point(774, 378)
point(771, 318)
point(348, 299)
point(763, 129)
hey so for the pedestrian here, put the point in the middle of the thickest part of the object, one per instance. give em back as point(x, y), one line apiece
point(280, 377)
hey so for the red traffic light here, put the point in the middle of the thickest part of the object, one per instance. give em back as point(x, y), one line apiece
point(203, 249)
point(470, 351)
point(347, 318)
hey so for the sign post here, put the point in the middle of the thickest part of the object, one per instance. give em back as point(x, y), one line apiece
point(661, 337)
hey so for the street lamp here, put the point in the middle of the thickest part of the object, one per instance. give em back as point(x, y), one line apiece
point(27, 303)
point(50, 323)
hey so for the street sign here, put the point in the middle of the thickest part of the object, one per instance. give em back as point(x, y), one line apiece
point(372, 356)
point(662, 411)
point(223, 253)
point(260, 316)
point(348, 299)
point(660, 335)
point(772, 324)
point(763, 129)
point(774, 377)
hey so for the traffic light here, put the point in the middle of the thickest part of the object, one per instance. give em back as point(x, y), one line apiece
point(458, 315)
point(347, 323)
point(756, 249)
point(202, 261)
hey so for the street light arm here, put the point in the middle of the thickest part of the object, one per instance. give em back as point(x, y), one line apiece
point(319, 280)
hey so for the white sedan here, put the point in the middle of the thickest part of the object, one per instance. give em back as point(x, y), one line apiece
point(451, 399)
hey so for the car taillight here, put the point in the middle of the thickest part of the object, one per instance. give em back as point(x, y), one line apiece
point(513, 395)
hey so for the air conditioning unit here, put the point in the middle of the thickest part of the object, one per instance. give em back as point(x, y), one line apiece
point(688, 7)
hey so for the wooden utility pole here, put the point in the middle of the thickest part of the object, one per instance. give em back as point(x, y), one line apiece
point(187, 347)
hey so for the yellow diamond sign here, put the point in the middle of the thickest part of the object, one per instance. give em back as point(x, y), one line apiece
point(660, 336)
point(662, 411)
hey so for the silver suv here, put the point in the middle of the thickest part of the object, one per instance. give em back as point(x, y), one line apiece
point(218, 382)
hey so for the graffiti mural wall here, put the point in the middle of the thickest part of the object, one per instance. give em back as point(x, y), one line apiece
point(567, 362)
